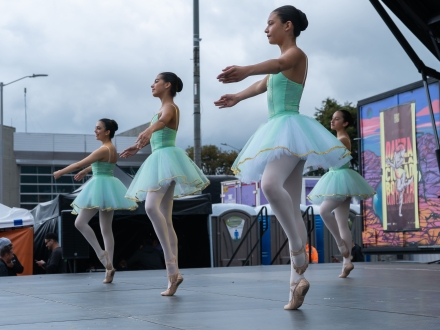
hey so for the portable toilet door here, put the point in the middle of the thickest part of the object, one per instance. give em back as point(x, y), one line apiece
point(235, 232)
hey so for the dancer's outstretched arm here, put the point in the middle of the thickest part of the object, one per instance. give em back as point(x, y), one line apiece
point(167, 114)
point(229, 100)
point(98, 155)
point(286, 61)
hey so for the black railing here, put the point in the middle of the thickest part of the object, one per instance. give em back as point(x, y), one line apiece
point(247, 233)
point(310, 218)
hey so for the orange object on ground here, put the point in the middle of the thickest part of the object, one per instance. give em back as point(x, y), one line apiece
point(314, 253)
point(23, 242)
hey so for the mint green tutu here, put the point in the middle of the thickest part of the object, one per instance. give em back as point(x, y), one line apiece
point(287, 132)
point(340, 184)
point(166, 164)
point(103, 191)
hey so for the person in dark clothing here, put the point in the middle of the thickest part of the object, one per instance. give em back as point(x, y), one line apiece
point(55, 264)
point(147, 257)
point(356, 253)
point(14, 266)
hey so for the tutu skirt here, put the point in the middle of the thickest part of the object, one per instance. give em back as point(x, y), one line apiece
point(164, 166)
point(290, 134)
point(104, 193)
point(340, 184)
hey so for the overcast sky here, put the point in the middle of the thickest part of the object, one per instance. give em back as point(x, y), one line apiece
point(103, 55)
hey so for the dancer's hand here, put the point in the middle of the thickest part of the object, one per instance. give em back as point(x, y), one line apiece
point(143, 139)
point(130, 151)
point(233, 74)
point(79, 176)
point(227, 101)
point(57, 175)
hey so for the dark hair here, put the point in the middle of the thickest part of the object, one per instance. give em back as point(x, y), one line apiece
point(347, 117)
point(110, 125)
point(296, 16)
point(174, 80)
point(5, 250)
point(51, 236)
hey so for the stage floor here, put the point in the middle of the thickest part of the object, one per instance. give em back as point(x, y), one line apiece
point(376, 296)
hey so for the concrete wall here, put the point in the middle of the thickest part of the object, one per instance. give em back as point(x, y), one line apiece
point(11, 186)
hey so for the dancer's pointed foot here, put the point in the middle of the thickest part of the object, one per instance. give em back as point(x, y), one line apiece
point(298, 294)
point(346, 270)
point(179, 279)
point(105, 260)
point(299, 269)
point(109, 274)
point(173, 287)
point(174, 279)
point(343, 248)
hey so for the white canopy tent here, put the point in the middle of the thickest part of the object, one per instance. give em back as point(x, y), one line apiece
point(15, 217)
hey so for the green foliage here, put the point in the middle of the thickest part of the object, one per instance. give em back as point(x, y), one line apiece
point(215, 161)
point(324, 116)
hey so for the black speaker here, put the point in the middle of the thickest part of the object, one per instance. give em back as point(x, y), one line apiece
point(74, 245)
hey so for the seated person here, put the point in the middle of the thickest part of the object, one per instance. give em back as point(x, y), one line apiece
point(55, 264)
point(146, 257)
point(14, 267)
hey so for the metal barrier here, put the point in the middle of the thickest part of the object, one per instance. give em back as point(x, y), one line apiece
point(262, 211)
point(310, 218)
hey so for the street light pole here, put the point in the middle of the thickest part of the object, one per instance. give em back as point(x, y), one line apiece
point(2, 182)
point(225, 144)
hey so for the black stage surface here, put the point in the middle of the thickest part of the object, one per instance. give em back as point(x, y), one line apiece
point(376, 296)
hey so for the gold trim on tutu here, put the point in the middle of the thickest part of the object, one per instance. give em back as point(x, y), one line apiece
point(200, 186)
point(237, 170)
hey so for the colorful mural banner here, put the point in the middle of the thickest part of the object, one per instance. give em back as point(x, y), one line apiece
point(399, 168)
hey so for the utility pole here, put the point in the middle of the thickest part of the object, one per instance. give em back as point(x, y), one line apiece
point(196, 58)
point(25, 112)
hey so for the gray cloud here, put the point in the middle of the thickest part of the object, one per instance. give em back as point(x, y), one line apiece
point(101, 57)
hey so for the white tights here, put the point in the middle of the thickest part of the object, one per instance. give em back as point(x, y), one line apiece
point(338, 223)
point(281, 184)
point(105, 222)
point(159, 208)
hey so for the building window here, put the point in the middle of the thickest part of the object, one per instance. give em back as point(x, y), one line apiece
point(37, 184)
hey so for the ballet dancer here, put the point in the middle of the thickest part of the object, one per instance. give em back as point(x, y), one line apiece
point(167, 173)
point(335, 190)
point(288, 143)
point(103, 193)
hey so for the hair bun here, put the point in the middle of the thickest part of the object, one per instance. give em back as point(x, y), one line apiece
point(115, 124)
point(179, 84)
point(303, 20)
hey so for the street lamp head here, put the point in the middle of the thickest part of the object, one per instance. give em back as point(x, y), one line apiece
point(224, 144)
point(38, 75)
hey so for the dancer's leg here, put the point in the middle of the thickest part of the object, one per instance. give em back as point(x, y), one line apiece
point(294, 189)
point(166, 208)
point(342, 213)
point(105, 222)
point(152, 207)
point(82, 224)
point(329, 219)
point(273, 181)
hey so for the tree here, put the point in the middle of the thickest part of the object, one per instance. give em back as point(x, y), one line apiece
point(324, 116)
point(215, 161)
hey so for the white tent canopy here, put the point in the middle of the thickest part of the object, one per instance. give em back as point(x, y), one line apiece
point(15, 217)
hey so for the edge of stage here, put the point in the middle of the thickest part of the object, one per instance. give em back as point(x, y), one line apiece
point(375, 296)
